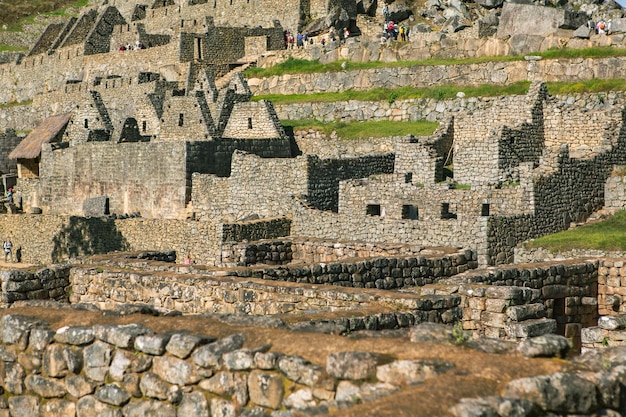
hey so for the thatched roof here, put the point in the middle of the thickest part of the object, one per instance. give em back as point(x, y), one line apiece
point(30, 147)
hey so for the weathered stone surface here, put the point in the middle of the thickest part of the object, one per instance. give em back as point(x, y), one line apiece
point(266, 360)
point(410, 372)
point(211, 355)
point(78, 386)
point(303, 398)
point(182, 344)
point(238, 360)
point(559, 393)
point(496, 407)
point(149, 408)
point(527, 311)
point(431, 332)
point(152, 386)
point(24, 405)
point(152, 344)
point(349, 392)
point(58, 408)
point(266, 389)
point(89, 406)
point(616, 322)
point(531, 328)
point(15, 329)
point(194, 404)
point(45, 387)
point(14, 378)
point(40, 338)
point(302, 371)
point(112, 394)
point(77, 335)
point(175, 371)
point(549, 345)
point(54, 363)
point(97, 358)
point(352, 365)
point(120, 364)
point(73, 357)
point(222, 408)
point(228, 383)
point(121, 336)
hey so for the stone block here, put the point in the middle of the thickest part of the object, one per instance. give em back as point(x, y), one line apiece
point(531, 328)
point(96, 206)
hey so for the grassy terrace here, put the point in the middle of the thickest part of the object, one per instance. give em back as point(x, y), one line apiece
point(608, 235)
point(370, 129)
point(303, 66)
point(446, 92)
point(15, 13)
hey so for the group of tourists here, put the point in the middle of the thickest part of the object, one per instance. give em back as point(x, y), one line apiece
point(391, 29)
point(301, 40)
point(128, 47)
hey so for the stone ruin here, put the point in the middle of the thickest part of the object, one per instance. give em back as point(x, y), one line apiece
point(276, 225)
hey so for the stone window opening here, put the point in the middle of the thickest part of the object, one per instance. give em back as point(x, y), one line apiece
point(86, 124)
point(181, 119)
point(410, 212)
point(144, 125)
point(249, 122)
point(408, 178)
point(182, 23)
point(484, 210)
point(446, 213)
point(372, 210)
point(214, 4)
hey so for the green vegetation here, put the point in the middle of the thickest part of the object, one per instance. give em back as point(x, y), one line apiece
point(446, 92)
point(609, 235)
point(4, 48)
point(15, 104)
point(355, 130)
point(17, 12)
point(303, 66)
point(462, 187)
point(402, 93)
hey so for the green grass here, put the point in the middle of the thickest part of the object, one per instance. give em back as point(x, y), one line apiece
point(402, 93)
point(4, 48)
point(15, 13)
point(445, 92)
point(356, 130)
point(15, 104)
point(303, 66)
point(609, 235)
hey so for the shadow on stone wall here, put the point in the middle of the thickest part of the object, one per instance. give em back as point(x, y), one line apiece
point(87, 236)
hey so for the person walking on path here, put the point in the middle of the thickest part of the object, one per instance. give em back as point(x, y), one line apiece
point(8, 249)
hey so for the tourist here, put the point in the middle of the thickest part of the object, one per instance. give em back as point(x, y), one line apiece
point(346, 34)
point(386, 12)
point(8, 249)
point(187, 260)
point(9, 196)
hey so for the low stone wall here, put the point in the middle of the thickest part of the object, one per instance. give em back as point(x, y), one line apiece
point(130, 370)
point(284, 251)
point(45, 284)
point(382, 273)
point(525, 301)
point(195, 294)
point(256, 229)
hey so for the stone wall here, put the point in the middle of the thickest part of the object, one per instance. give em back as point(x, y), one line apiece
point(286, 250)
point(567, 70)
point(525, 301)
point(196, 294)
point(256, 230)
point(382, 273)
point(131, 370)
point(45, 284)
point(49, 238)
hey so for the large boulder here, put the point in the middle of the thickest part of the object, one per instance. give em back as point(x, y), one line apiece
point(526, 19)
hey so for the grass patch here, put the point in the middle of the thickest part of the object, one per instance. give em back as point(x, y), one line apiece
point(15, 104)
point(403, 93)
point(462, 187)
point(11, 48)
point(15, 13)
point(608, 235)
point(445, 92)
point(303, 66)
point(356, 130)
